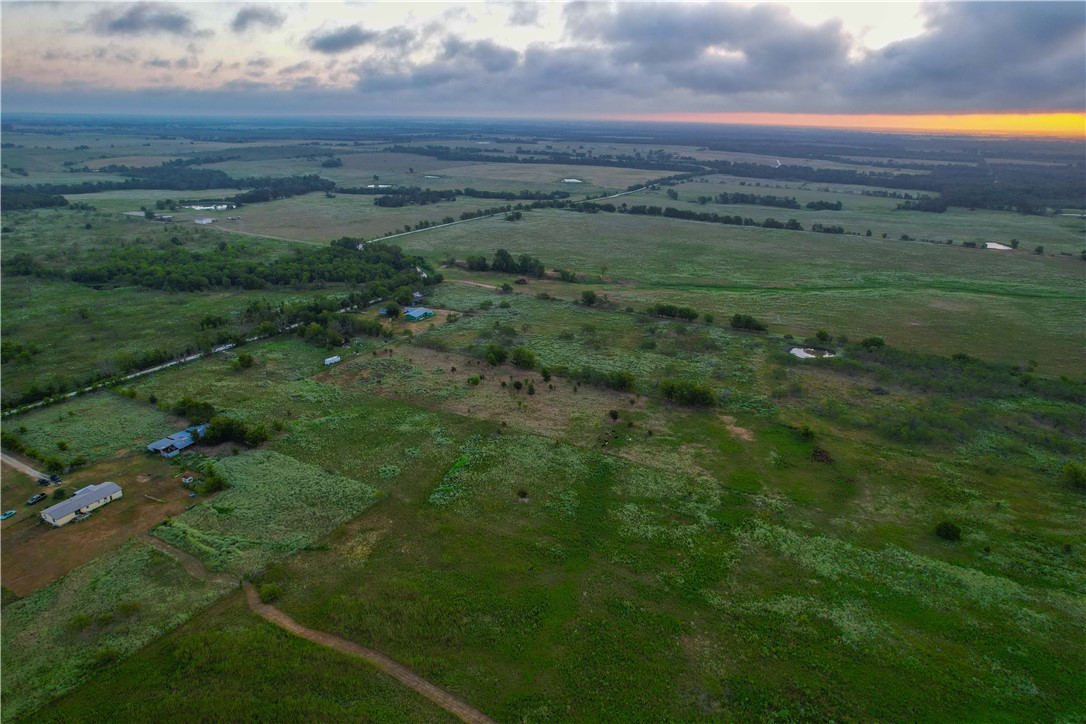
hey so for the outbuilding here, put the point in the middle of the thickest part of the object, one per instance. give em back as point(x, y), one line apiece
point(84, 501)
point(333, 360)
point(414, 314)
point(203, 220)
point(170, 445)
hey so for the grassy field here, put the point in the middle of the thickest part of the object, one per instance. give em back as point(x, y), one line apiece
point(944, 299)
point(102, 612)
point(272, 676)
point(538, 544)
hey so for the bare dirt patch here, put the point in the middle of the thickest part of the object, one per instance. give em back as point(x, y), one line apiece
point(36, 554)
point(740, 432)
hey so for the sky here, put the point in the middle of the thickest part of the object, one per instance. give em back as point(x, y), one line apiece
point(865, 64)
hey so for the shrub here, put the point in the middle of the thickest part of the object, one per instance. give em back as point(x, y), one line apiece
point(496, 354)
point(1075, 476)
point(523, 357)
point(613, 414)
point(60, 494)
point(473, 380)
point(270, 592)
point(531, 388)
point(676, 312)
point(948, 531)
point(872, 343)
point(506, 288)
point(747, 322)
point(688, 393)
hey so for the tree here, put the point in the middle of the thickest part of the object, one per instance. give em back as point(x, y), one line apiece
point(496, 354)
point(1075, 476)
point(523, 357)
point(506, 288)
point(60, 494)
point(672, 194)
point(823, 336)
point(244, 361)
point(871, 343)
point(1039, 250)
point(588, 297)
point(503, 262)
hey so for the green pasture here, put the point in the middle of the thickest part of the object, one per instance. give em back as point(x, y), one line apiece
point(76, 628)
point(941, 298)
point(272, 676)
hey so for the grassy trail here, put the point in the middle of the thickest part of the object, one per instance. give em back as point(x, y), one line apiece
point(401, 673)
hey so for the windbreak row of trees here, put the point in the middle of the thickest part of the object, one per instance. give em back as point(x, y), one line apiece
point(504, 262)
point(232, 266)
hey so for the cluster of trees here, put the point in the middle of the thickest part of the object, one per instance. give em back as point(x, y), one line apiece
point(220, 428)
point(10, 350)
point(924, 203)
point(824, 205)
point(685, 392)
point(232, 266)
point(270, 189)
point(828, 228)
point(748, 323)
point(504, 262)
point(674, 311)
point(783, 202)
point(23, 198)
point(711, 218)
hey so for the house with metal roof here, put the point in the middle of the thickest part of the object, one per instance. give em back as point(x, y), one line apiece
point(84, 501)
point(170, 445)
point(414, 314)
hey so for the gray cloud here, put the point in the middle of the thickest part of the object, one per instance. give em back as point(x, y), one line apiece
point(487, 54)
point(142, 19)
point(526, 13)
point(254, 15)
point(157, 63)
point(982, 56)
point(340, 40)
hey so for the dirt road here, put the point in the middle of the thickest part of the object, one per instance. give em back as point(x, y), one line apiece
point(21, 466)
point(270, 613)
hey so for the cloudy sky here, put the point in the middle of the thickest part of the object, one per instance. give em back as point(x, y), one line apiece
point(578, 59)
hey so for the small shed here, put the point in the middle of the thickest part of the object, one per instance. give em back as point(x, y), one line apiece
point(415, 314)
point(84, 501)
point(203, 220)
point(416, 295)
point(333, 360)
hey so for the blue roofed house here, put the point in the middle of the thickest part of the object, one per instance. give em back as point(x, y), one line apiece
point(169, 446)
point(414, 314)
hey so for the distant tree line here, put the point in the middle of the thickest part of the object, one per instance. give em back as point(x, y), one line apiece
point(233, 267)
point(504, 262)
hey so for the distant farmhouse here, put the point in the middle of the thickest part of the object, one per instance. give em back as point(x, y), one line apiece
point(84, 501)
point(169, 446)
point(415, 314)
point(205, 220)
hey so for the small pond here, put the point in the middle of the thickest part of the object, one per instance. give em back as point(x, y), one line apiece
point(810, 352)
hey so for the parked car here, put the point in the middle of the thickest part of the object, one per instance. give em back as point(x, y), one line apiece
point(54, 478)
point(36, 498)
point(7, 514)
point(43, 481)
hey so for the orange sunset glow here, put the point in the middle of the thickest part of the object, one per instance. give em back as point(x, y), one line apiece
point(1054, 125)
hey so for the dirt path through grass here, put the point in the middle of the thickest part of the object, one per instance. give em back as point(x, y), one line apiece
point(271, 614)
point(21, 466)
point(442, 698)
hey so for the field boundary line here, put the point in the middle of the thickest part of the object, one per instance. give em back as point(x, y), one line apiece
point(398, 671)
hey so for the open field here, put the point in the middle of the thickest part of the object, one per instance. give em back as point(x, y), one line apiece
point(924, 296)
point(99, 613)
point(272, 676)
point(632, 517)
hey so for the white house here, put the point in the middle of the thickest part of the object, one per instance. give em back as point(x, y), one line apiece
point(205, 220)
point(84, 501)
point(333, 360)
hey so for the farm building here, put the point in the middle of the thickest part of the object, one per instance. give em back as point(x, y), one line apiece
point(414, 314)
point(84, 501)
point(169, 446)
point(333, 360)
point(205, 220)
